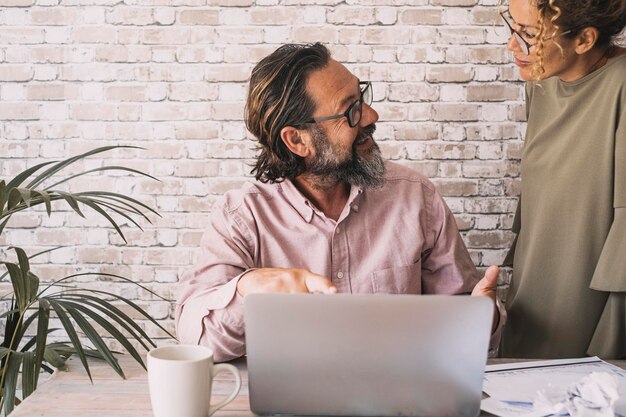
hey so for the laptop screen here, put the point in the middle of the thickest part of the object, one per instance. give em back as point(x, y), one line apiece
point(366, 355)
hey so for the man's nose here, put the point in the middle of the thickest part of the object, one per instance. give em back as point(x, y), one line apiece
point(369, 116)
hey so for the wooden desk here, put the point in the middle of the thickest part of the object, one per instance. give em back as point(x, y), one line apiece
point(69, 394)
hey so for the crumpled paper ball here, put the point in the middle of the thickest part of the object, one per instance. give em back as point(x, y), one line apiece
point(592, 396)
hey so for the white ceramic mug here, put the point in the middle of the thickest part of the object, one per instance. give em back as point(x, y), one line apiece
point(180, 379)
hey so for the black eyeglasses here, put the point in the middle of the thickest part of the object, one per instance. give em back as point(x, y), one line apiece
point(354, 112)
point(523, 43)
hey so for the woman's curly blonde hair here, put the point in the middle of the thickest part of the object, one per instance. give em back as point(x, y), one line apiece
point(570, 17)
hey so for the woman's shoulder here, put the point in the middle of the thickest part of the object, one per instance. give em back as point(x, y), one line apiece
point(616, 69)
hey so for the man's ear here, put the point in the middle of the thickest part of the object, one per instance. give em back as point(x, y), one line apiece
point(586, 40)
point(294, 141)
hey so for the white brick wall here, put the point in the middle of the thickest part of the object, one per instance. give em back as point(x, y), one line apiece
point(170, 76)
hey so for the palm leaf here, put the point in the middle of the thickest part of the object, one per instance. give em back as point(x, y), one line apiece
point(4, 222)
point(130, 303)
point(3, 187)
point(106, 216)
point(129, 201)
point(106, 325)
point(22, 176)
point(51, 356)
point(120, 210)
point(65, 163)
point(69, 328)
point(95, 338)
point(42, 334)
point(30, 372)
point(9, 379)
point(33, 340)
point(114, 313)
point(71, 200)
point(34, 256)
point(19, 285)
point(105, 168)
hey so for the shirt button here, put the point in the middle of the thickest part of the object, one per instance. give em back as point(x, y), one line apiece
point(337, 230)
point(339, 274)
point(356, 206)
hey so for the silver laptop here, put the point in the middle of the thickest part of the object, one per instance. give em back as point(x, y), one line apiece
point(366, 355)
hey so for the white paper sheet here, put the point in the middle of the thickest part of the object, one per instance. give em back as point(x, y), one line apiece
point(513, 387)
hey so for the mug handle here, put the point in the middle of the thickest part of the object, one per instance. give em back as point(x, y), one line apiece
point(225, 367)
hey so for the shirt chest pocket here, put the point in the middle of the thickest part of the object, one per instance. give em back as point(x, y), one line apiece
point(398, 280)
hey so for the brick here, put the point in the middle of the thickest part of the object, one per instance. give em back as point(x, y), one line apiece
point(461, 35)
point(387, 35)
point(163, 111)
point(198, 17)
point(227, 73)
point(13, 73)
point(16, 3)
point(485, 239)
point(48, 92)
point(54, 16)
point(456, 187)
point(19, 111)
point(455, 16)
point(192, 92)
point(416, 131)
point(451, 151)
point(449, 73)
point(420, 111)
point(240, 35)
point(405, 92)
point(230, 3)
point(492, 92)
point(274, 16)
point(454, 112)
point(316, 33)
point(386, 16)
point(480, 170)
point(165, 36)
point(96, 111)
point(136, 16)
point(423, 35)
point(453, 2)
point(421, 16)
point(484, 16)
point(94, 34)
point(351, 16)
point(165, 16)
point(125, 92)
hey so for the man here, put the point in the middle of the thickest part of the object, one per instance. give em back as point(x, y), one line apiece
point(326, 214)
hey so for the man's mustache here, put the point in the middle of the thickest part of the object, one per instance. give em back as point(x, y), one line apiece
point(366, 131)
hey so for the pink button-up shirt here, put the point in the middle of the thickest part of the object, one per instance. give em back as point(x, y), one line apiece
point(400, 239)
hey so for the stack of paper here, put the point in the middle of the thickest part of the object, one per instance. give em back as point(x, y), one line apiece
point(513, 387)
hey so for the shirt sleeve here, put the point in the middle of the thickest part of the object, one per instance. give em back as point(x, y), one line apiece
point(446, 265)
point(448, 268)
point(209, 310)
point(610, 272)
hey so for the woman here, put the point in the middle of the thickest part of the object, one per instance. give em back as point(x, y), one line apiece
point(567, 297)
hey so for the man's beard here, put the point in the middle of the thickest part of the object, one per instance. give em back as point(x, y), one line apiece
point(330, 166)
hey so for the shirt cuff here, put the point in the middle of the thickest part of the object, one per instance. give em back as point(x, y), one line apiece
point(494, 342)
point(190, 323)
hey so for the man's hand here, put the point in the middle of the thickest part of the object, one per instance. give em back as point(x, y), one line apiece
point(285, 280)
point(487, 286)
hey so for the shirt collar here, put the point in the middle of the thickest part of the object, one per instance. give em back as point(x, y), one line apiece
point(305, 207)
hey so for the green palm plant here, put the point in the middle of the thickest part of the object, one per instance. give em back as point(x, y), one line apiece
point(25, 347)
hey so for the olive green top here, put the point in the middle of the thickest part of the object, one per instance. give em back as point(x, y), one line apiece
point(567, 297)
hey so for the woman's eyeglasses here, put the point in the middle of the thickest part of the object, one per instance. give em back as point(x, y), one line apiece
point(354, 112)
point(519, 37)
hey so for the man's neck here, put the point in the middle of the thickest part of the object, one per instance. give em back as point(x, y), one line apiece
point(329, 198)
